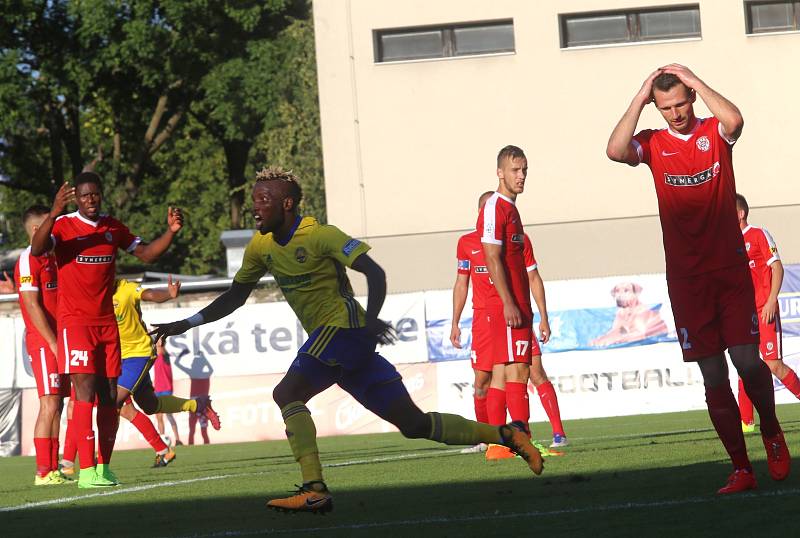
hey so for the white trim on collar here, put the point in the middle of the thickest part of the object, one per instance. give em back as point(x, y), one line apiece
point(686, 137)
point(506, 198)
point(746, 229)
point(77, 214)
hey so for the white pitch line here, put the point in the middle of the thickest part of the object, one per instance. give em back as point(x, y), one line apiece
point(515, 515)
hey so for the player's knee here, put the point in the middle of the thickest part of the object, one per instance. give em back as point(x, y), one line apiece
point(49, 406)
point(538, 376)
point(282, 395)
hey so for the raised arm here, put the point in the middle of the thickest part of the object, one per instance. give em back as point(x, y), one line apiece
point(150, 252)
point(726, 112)
point(225, 304)
point(161, 296)
point(41, 241)
point(537, 291)
point(460, 290)
point(376, 294)
point(620, 148)
point(494, 263)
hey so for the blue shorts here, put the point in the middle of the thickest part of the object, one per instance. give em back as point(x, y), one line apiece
point(348, 358)
point(135, 373)
point(164, 393)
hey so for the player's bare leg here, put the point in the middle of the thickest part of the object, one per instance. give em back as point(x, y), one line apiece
point(786, 375)
point(480, 389)
point(549, 399)
point(757, 380)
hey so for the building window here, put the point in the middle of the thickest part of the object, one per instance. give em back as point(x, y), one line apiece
point(629, 26)
point(443, 41)
point(771, 16)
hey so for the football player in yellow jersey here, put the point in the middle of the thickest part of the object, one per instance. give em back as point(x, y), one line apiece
point(308, 261)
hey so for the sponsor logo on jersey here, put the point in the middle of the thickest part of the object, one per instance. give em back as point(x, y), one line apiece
point(108, 236)
point(475, 251)
point(95, 259)
point(291, 282)
point(773, 250)
point(703, 144)
point(300, 255)
point(350, 246)
point(481, 269)
point(692, 181)
point(517, 238)
point(26, 280)
point(668, 154)
point(463, 264)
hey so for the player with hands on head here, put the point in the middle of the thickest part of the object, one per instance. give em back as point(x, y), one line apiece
point(308, 261)
point(706, 264)
point(85, 245)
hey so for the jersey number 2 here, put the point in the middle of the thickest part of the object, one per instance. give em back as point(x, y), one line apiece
point(685, 344)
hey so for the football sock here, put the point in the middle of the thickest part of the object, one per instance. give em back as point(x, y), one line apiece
point(142, 423)
point(70, 446)
point(745, 405)
point(549, 399)
point(83, 433)
point(724, 416)
point(496, 406)
point(54, 453)
point(302, 436)
point(42, 446)
point(107, 425)
point(517, 401)
point(173, 404)
point(456, 430)
point(792, 383)
point(481, 413)
point(759, 388)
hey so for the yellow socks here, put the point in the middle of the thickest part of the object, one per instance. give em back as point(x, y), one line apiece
point(173, 404)
point(456, 430)
point(302, 436)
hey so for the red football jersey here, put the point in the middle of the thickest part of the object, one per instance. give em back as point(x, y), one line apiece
point(86, 252)
point(763, 252)
point(499, 223)
point(696, 192)
point(38, 273)
point(471, 262)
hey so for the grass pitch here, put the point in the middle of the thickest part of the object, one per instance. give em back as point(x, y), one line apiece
point(649, 475)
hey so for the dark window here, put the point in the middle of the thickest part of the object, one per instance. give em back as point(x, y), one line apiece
point(771, 16)
point(630, 26)
point(443, 41)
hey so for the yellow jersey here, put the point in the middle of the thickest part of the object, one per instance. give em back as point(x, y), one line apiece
point(310, 271)
point(133, 338)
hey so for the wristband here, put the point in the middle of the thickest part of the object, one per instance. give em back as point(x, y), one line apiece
point(195, 320)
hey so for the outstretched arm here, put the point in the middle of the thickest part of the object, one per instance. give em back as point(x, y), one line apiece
point(376, 294)
point(150, 252)
point(460, 290)
point(619, 147)
point(726, 112)
point(225, 304)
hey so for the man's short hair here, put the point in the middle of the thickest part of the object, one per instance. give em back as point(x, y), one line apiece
point(509, 152)
point(36, 210)
point(287, 177)
point(741, 203)
point(88, 177)
point(483, 197)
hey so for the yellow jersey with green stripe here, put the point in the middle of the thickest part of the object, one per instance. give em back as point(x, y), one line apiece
point(133, 338)
point(309, 268)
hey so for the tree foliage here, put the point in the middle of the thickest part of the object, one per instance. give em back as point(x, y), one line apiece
point(173, 101)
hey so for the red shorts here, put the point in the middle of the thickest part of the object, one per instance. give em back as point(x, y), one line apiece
point(511, 345)
point(481, 342)
point(714, 311)
point(90, 349)
point(45, 370)
point(771, 341)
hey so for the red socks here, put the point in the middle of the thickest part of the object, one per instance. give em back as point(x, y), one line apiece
point(759, 388)
point(792, 383)
point(107, 425)
point(725, 416)
point(142, 423)
point(43, 446)
point(83, 434)
point(54, 453)
point(481, 413)
point(517, 401)
point(547, 395)
point(70, 448)
point(496, 406)
point(745, 405)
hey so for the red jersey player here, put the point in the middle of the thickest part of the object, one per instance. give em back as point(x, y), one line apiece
point(472, 268)
point(37, 281)
point(85, 244)
point(707, 276)
point(767, 272)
